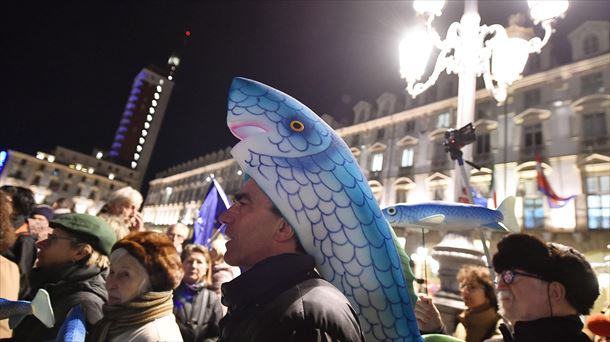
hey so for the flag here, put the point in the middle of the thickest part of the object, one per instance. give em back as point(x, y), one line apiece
point(214, 204)
point(554, 200)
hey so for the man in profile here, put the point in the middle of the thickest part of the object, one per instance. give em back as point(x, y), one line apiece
point(279, 297)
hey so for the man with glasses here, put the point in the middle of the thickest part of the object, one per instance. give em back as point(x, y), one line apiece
point(178, 234)
point(72, 266)
point(542, 289)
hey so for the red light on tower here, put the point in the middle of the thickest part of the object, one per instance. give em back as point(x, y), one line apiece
point(187, 33)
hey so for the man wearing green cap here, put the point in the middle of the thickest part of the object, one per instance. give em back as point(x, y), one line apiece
point(72, 266)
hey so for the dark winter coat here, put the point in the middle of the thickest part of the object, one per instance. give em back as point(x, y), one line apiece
point(67, 286)
point(23, 253)
point(556, 329)
point(282, 298)
point(197, 312)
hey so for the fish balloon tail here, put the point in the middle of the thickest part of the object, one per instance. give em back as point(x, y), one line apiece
point(40, 307)
point(405, 261)
point(507, 208)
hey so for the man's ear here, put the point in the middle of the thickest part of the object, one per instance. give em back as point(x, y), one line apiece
point(284, 231)
point(82, 252)
point(557, 292)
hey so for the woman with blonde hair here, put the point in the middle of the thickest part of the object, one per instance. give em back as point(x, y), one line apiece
point(197, 308)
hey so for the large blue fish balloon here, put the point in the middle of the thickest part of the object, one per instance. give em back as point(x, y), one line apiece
point(40, 307)
point(454, 216)
point(310, 174)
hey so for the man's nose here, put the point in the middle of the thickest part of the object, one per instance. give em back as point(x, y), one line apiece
point(226, 216)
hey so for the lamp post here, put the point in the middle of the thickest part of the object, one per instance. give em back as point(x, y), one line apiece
point(471, 50)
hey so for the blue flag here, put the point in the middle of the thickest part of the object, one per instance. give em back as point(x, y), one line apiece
point(214, 204)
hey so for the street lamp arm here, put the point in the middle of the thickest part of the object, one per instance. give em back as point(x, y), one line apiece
point(536, 44)
point(442, 62)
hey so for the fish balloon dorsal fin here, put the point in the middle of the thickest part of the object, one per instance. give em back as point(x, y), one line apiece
point(433, 219)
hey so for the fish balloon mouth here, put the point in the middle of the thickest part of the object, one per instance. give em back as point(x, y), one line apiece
point(244, 130)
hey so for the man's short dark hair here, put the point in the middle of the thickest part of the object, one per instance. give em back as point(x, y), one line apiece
point(553, 262)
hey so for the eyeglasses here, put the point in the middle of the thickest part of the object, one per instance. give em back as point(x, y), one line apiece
point(53, 238)
point(508, 276)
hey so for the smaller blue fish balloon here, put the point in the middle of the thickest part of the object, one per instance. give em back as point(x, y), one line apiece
point(454, 216)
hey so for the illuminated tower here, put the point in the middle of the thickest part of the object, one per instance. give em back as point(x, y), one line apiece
point(139, 127)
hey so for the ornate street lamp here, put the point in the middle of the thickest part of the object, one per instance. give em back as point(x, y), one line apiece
point(470, 50)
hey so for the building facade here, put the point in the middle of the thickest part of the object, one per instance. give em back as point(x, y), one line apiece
point(64, 174)
point(558, 112)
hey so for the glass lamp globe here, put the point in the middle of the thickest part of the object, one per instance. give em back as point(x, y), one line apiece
point(543, 10)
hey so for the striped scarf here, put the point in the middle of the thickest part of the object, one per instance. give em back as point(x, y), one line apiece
point(121, 318)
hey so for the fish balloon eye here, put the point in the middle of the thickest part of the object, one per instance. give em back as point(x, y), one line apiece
point(297, 126)
point(392, 211)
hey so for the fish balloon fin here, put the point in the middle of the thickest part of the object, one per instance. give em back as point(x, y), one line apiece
point(507, 208)
point(41, 308)
point(497, 226)
point(406, 267)
point(433, 219)
point(74, 328)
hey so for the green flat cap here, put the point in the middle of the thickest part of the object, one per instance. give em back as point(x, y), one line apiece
point(90, 229)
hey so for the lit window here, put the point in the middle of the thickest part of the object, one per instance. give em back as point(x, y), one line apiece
point(149, 117)
point(443, 120)
point(146, 125)
point(111, 176)
point(154, 103)
point(377, 162)
point(99, 155)
point(407, 157)
point(598, 202)
point(91, 170)
point(144, 133)
point(533, 212)
point(170, 77)
point(156, 96)
point(159, 88)
point(136, 156)
point(151, 110)
point(139, 148)
point(133, 165)
point(142, 140)
point(51, 158)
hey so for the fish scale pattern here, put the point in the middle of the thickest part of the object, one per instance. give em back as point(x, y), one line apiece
point(322, 192)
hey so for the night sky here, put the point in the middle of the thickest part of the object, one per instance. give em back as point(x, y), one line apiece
point(68, 66)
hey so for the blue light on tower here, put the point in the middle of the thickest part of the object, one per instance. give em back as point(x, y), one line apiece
point(3, 160)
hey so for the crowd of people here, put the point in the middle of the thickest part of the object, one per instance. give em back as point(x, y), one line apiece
point(134, 284)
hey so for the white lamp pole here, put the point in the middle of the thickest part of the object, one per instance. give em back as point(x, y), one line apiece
point(470, 50)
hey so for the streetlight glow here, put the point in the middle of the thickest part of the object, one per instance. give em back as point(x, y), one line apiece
point(548, 9)
point(433, 7)
point(414, 51)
